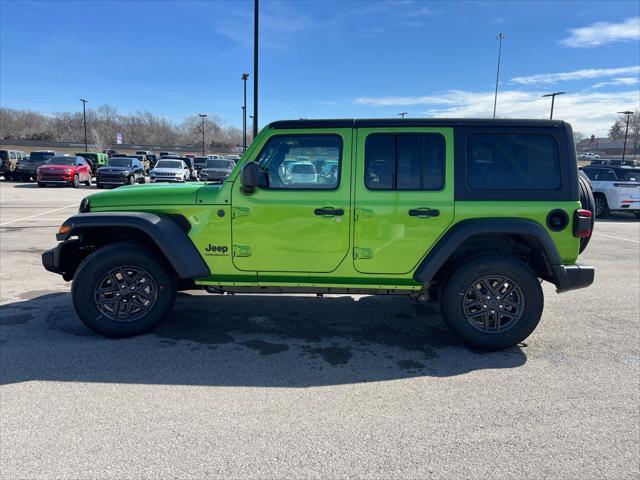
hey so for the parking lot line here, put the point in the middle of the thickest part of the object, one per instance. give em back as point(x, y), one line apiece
point(36, 215)
point(618, 238)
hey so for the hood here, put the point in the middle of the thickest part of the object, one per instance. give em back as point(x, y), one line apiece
point(56, 167)
point(167, 170)
point(108, 168)
point(145, 195)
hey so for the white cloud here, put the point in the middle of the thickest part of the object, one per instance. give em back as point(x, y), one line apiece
point(602, 32)
point(588, 112)
point(587, 73)
point(619, 82)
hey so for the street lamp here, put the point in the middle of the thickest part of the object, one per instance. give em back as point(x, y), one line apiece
point(626, 130)
point(202, 116)
point(403, 114)
point(501, 36)
point(84, 120)
point(256, 11)
point(553, 98)
point(245, 76)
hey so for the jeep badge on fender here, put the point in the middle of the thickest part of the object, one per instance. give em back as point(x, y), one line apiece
point(472, 214)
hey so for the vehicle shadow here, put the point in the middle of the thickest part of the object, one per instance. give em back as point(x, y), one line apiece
point(242, 340)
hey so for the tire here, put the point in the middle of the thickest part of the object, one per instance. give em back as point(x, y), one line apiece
point(76, 181)
point(588, 203)
point(515, 324)
point(112, 319)
point(142, 180)
point(131, 180)
point(601, 206)
point(8, 176)
point(89, 182)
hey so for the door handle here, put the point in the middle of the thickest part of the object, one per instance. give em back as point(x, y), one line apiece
point(424, 212)
point(328, 211)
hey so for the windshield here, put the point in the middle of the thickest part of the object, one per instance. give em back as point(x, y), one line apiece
point(201, 160)
point(169, 164)
point(219, 164)
point(303, 168)
point(69, 161)
point(119, 162)
point(40, 156)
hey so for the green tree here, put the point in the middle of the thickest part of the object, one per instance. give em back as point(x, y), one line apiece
point(617, 129)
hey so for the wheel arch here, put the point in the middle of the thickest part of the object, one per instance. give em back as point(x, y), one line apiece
point(167, 235)
point(524, 239)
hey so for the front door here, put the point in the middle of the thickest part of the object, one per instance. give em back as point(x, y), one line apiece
point(403, 196)
point(298, 219)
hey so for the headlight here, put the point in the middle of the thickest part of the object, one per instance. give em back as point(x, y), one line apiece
point(152, 173)
point(85, 206)
point(125, 173)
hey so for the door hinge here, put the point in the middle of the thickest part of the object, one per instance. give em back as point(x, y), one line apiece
point(362, 253)
point(241, 251)
point(240, 212)
point(362, 213)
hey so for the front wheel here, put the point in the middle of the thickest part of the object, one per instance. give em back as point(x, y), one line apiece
point(492, 303)
point(121, 291)
point(76, 181)
point(89, 181)
point(131, 180)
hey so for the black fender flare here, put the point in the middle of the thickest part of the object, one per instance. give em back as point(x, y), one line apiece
point(166, 232)
point(459, 233)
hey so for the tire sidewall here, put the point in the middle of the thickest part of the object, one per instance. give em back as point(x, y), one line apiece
point(92, 269)
point(463, 278)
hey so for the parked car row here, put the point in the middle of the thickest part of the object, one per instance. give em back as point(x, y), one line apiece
point(110, 168)
point(615, 188)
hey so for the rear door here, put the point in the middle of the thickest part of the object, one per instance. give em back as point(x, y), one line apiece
point(403, 196)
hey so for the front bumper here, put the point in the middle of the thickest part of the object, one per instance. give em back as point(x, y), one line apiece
point(112, 180)
point(166, 179)
point(69, 250)
point(572, 277)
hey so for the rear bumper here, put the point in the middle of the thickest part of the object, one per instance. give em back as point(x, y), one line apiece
point(572, 277)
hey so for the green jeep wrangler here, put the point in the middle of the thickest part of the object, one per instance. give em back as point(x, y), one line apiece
point(95, 160)
point(472, 214)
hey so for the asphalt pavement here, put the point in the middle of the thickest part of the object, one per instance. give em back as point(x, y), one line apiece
point(251, 386)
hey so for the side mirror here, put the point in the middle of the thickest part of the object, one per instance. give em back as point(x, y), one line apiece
point(250, 177)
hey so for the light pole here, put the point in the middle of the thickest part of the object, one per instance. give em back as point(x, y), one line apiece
point(553, 98)
point(256, 11)
point(84, 120)
point(501, 36)
point(626, 131)
point(202, 116)
point(403, 114)
point(245, 76)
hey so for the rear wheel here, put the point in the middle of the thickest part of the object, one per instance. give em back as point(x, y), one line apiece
point(492, 302)
point(121, 290)
point(602, 207)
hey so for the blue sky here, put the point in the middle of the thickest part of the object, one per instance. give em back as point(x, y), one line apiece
point(324, 58)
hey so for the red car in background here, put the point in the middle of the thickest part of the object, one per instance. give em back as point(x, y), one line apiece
point(64, 170)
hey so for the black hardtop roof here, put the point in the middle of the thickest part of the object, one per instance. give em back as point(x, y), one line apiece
point(413, 122)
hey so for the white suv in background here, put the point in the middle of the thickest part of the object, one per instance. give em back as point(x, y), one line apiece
point(615, 188)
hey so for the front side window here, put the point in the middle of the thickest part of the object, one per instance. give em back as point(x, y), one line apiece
point(299, 161)
point(512, 161)
point(405, 161)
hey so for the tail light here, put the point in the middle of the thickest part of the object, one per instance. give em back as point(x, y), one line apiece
point(582, 223)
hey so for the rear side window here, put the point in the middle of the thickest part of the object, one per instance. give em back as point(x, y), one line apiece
point(406, 161)
point(512, 161)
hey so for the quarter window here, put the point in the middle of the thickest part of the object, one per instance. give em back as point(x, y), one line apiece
point(301, 162)
point(512, 161)
point(407, 161)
